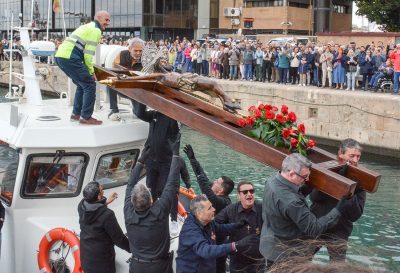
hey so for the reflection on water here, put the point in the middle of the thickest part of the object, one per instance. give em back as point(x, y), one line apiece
point(375, 240)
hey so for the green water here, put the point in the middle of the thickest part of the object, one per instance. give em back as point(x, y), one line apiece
point(375, 241)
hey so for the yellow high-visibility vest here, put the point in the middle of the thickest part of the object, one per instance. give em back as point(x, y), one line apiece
point(85, 39)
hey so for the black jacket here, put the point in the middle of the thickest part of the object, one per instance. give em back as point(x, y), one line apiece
point(322, 204)
point(161, 129)
point(99, 233)
point(234, 213)
point(219, 202)
point(148, 231)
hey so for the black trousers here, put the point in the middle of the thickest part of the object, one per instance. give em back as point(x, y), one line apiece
point(266, 71)
point(160, 266)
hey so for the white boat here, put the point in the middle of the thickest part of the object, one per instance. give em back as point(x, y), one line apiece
point(46, 160)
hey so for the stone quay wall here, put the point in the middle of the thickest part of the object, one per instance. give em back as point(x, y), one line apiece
point(330, 115)
point(373, 119)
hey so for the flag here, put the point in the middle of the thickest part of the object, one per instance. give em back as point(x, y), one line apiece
point(56, 6)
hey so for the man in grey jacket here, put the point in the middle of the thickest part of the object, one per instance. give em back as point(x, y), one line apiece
point(287, 220)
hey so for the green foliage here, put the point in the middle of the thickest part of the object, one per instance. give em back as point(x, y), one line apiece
point(383, 12)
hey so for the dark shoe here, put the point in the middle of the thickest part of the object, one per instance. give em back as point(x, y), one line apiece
point(113, 111)
point(75, 117)
point(90, 121)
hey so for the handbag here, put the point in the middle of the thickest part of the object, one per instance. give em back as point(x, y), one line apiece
point(352, 68)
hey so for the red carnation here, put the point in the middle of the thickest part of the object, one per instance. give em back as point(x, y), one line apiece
point(257, 113)
point(286, 133)
point(252, 108)
point(274, 108)
point(294, 142)
point(284, 109)
point(292, 117)
point(280, 118)
point(242, 122)
point(250, 120)
point(269, 115)
point(301, 128)
point(261, 106)
point(268, 107)
point(311, 143)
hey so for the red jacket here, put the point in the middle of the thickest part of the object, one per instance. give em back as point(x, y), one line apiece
point(395, 57)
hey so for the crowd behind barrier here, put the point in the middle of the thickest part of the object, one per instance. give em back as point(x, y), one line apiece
point(323, 65)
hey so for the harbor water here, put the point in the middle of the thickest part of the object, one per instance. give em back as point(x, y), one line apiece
point(375, 241)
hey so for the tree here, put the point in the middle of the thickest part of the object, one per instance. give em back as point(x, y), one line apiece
point(384, 12)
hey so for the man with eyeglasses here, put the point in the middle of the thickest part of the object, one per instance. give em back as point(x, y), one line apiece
point(249, 210)
point(337, 236)
point(287, 220)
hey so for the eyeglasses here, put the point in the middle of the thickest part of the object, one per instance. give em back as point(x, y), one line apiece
point(247, 191)
point(304, 177)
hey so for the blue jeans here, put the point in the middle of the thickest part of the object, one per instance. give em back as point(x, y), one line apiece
point(396, 78)
point(233, 71)
point(248, 74)
point(188, 65)
point(85, 95)
point(375, 78)
point(283, 72)
point(316, 76)
point(205, 68)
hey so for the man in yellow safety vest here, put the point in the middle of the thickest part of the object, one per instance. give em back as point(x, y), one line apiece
point(75, 58)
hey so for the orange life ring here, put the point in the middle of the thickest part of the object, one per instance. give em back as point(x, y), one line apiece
point(188, 193)
point(58, 234)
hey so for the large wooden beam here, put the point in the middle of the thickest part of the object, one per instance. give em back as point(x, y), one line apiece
point(223, 126)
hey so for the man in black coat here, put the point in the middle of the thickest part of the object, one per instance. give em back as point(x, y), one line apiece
point(147, 220)
point(249, 210)
point(99, 231)
point(337, 236)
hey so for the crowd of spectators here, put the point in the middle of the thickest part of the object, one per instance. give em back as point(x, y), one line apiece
point(323, 65)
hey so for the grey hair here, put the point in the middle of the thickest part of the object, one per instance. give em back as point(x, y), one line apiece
point(91, 191)
point(135, 40)
point(349, 143)
point(141, 197)
point(295, 162)
point(195, 204)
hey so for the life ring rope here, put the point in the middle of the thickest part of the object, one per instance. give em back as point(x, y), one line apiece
point(52, 236)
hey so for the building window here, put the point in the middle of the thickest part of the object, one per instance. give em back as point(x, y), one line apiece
point(248, 23)
point(340, 9)
point(267, 3)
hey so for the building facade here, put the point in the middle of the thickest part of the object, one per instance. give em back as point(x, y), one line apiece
point(156, 19)
point(301, 17)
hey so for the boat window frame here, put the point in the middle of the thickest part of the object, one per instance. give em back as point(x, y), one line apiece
point(60, 195)
point(3, 199)
point(115, 185)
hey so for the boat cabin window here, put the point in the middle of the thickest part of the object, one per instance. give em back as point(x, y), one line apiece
point(113, 169)
point(8, 171)
point(54, 175)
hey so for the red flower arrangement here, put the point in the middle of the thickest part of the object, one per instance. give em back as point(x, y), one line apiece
point(277, 128)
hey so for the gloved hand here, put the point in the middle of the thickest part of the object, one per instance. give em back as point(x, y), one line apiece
point(174, 144)
point(344, 204)
point(246, 242)
point(242, 223)
point(189, 152)
point(185, 176)
point(144, 155)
